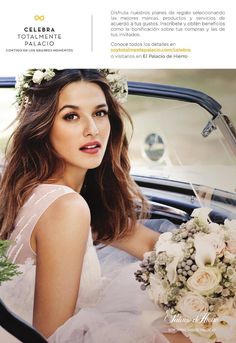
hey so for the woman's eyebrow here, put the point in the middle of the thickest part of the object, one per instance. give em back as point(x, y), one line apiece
point(74, 107)
point(101, 106)
point(69, 106)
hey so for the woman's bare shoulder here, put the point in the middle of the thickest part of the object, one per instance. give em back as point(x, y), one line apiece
point(69, 212)
point(73, 201)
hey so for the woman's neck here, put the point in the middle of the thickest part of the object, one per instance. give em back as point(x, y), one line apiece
point(71, 178)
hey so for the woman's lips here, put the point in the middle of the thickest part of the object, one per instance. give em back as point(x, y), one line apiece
point(91, 147)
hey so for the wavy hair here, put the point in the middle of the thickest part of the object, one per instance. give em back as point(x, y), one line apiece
point(114, 199)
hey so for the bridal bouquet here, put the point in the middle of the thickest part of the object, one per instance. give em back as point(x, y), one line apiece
point(191, 275)
point(7, 269)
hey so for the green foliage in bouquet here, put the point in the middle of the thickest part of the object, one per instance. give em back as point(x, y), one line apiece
point(7, 268)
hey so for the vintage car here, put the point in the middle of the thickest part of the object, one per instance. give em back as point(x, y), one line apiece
point(182, 148)
point(183, 156)
point(183, 151)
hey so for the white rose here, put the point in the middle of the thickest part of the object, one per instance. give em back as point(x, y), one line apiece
point(38, 76)
point(205, 250)
point(156, 291)
point(231, 231)
point(192, 306)
point(204, 280)
point(175, 250)
point(225, 329)
point(164, 237)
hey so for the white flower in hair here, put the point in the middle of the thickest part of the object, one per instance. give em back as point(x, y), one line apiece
point(49, 74)
point(24, 81)
point(38, 76)
point(116, 81)
point(118, 84)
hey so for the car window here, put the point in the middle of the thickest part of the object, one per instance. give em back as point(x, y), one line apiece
point(167, 142)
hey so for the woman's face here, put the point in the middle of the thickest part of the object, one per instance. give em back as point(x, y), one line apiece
point(81, 128)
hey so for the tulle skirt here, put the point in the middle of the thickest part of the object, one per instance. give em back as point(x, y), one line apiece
point(123, 314)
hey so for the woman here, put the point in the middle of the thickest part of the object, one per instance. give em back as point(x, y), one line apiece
point(67, 170)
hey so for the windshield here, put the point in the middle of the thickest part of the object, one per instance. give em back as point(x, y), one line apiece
point(167, 142)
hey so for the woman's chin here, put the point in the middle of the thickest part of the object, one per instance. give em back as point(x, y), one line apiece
point(93, 165)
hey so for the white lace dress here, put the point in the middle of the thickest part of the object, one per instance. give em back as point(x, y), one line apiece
point(110, 307)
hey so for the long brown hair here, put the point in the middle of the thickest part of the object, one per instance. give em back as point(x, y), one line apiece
point(114, 199)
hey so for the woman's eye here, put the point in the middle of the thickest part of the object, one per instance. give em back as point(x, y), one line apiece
point(101, 113)
point(70, 116)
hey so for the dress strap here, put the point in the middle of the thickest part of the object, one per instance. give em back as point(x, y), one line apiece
point(41, 198)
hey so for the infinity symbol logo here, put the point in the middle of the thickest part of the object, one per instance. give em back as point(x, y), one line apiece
point(39, 17)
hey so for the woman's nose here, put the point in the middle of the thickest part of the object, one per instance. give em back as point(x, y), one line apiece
point(90, 127)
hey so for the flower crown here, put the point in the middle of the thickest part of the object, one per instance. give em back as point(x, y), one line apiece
point(117, 82)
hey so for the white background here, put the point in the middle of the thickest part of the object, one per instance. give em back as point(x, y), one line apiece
point(73, 21)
